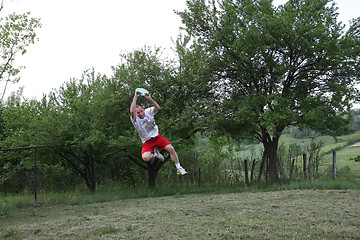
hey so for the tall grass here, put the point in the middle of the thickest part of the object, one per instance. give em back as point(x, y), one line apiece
point(343, 183)
point(112, 192)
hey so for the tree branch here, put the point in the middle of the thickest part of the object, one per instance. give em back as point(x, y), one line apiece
point(73, 165)
point(137, 162)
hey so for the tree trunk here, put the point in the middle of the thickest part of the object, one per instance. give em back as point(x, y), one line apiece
point(304, 165)
point(271, 158)
point(84, 167)
point(261, 168)
point(270, 152)
point(90, 168)
point(153, 168)
point(152, 178)
point(282, 170)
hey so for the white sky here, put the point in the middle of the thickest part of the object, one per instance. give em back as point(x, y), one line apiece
point(80, 34)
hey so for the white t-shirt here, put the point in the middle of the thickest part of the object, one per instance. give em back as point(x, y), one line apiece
point(146, 126)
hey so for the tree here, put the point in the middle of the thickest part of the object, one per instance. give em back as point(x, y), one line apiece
point(147, 68)
point(85, 126)
point(17, 32)
point(17, 166)
point(273, 67)
point(84, 123)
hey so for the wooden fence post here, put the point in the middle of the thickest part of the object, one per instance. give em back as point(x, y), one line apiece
point(304, 165)
point(199, 177)
point(246, 172)
point(252, 171)
point(292, 168)
point(35, 164)
point(35, 173)
point(334, 165)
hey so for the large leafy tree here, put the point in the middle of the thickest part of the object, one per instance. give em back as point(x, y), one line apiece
point(17, 166)
point(17, 33)
point(84, 123)
point(272, 67)
point(147, 68)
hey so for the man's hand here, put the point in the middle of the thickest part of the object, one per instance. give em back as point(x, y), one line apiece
point(152, 101)
point(148, 97)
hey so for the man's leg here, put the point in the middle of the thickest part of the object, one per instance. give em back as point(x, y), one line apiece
point(174, 157)
point(147, 156)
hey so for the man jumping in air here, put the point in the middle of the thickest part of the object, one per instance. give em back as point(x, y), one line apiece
point(144, 122)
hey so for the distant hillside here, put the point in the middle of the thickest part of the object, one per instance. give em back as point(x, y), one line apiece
point(341, 145)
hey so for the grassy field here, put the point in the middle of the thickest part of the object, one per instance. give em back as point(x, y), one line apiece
point(314, 209)
point(288, 214)
point(342, 160)
point(341, 146)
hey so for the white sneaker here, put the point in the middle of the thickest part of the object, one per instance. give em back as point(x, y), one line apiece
point(158, 155)
point(181, 171)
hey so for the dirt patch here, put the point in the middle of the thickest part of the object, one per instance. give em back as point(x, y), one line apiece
point(355, 145)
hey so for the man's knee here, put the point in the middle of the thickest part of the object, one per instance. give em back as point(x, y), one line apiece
point(146, 156)
point(169, 148)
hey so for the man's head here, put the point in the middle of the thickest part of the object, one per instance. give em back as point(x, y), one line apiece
point(140, 111)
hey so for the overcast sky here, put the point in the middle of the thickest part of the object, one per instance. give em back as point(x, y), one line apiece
point(80, 34)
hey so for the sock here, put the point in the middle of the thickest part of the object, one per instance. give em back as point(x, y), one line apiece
point(177, 165)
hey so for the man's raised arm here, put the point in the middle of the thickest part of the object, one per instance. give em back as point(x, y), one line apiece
point(133, 106)
point(152, 101)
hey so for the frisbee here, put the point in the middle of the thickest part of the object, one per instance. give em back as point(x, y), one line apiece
point(142, 91)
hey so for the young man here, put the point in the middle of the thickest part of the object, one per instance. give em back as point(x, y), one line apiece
point(144, 122)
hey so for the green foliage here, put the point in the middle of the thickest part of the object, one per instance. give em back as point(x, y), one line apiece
point(85, 124)
point(356, 159)
point(260, 77)
point(314, 158)
point(147, 68)
point(17, 33)
point(245, 69)
point(273, 67)
point(16, 167)
point(86, 127)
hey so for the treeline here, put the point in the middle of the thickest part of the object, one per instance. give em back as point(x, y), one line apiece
point(86, 127)
point(244, 70)
point(89, 138)
point(296, 132)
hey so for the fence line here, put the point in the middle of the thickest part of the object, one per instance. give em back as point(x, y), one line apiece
point(35, 166)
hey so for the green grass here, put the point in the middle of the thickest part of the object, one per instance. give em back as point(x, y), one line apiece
point(340, 145)
point(113, 192)
point(285, 214)
point(295, 209)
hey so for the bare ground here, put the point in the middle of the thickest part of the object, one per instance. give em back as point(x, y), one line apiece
point(355, 145)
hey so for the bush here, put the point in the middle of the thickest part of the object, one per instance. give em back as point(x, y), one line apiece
point(356, 159)
point(57, 178)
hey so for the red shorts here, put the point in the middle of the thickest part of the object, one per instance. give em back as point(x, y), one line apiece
point(159, 142)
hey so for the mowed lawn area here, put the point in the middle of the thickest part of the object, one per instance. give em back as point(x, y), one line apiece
point(290, 214)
